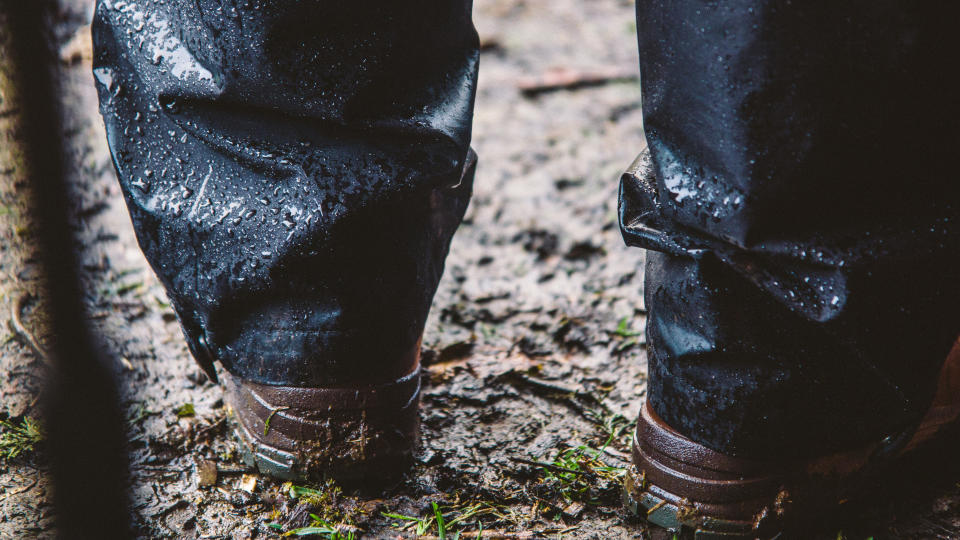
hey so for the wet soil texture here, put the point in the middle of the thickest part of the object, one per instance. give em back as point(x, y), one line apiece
point(534, 351)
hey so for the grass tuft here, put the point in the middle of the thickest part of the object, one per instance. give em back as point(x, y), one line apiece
point(19, 439)
point(578, 474)
point(324, 529)
point(442, 518)
point(185, 410)
point(624, 331)
point(329, 519)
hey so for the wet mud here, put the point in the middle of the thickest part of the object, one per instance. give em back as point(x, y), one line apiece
point(533, 355)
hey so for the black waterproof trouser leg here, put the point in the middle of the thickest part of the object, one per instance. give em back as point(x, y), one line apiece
point(294, 171)
point(801, 195)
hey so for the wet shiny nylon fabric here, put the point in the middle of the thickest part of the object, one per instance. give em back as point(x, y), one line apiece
point(800, 191)
point(294, 172)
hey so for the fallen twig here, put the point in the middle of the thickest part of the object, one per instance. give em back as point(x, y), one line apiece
point(23, 489)
point(232, 470)
point(626, 458)
point(20, 331)
point(552, 467)
point(515, 376)
point(203, 431)
point(550, 386)
point(564, 78)
point(489, 535)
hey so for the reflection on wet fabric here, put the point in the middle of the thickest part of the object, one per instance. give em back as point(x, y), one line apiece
point(800, 186)
point(294, 172)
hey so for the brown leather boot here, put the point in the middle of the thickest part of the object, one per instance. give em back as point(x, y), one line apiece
point(686, 488)
point(297, 198)
point(360, 427)
point(357, 432)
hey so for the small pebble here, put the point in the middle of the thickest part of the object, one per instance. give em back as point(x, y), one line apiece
point(248, 483)
point(207, 473)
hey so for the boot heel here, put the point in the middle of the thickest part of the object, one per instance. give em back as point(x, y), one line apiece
point(352, 434)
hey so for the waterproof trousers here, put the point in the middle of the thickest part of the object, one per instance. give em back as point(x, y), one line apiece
point(801, 196)
point(295, 171)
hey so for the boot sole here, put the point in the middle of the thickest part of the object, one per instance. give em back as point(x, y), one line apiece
point(732, 498)
point(724, 497)
point(351, 434)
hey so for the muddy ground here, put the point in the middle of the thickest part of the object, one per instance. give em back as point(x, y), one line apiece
point(534, 348)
